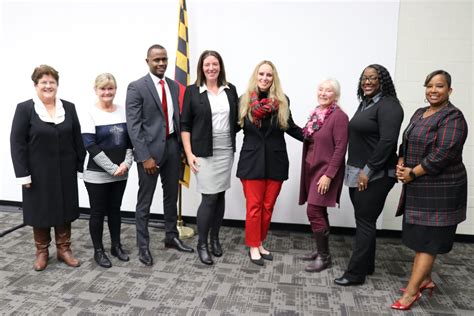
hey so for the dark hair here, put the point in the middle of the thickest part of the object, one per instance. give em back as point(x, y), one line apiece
point(44, 70)
point(444, 73)
point(201, 78)
point(386, 83)
point(154, 46)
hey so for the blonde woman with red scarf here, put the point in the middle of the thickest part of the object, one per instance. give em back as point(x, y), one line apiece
point(264, 116)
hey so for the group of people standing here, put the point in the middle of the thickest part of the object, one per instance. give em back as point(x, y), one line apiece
point(48, 150)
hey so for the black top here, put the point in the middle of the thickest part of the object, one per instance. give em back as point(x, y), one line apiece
point(373, 135)
point(196, 118)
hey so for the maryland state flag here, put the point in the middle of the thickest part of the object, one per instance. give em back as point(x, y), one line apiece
point(181, 74)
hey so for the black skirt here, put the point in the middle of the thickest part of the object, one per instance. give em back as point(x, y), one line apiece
point(430, 239)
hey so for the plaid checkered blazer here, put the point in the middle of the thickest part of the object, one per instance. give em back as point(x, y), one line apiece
point(438, 198)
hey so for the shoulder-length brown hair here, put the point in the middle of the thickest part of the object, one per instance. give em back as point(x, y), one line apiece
point(201, 78)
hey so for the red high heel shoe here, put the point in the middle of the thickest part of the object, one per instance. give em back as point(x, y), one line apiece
point(430, 285)
point(401, 307)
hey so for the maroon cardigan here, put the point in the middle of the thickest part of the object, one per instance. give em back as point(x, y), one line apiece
point(326, 158)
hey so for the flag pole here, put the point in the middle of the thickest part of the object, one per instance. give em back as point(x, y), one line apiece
point(182, 77)
point(184, 232)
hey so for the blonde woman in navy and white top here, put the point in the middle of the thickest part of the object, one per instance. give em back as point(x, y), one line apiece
point(106, 140)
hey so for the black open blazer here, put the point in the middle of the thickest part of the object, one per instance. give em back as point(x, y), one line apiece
point(196, 118)
point(264, 156)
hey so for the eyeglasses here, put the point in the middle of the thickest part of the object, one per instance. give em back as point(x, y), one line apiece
point(371, 79)
point(45, 83)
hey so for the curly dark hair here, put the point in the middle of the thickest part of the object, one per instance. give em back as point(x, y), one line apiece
point(386, 83)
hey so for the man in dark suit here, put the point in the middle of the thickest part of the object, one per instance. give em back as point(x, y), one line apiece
point(153, 125)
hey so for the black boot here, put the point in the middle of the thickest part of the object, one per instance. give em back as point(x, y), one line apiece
point(118, 252)
point(216, 248)
point(311, 255)
point(323, 260)
point(101, 258)
point(203, 252)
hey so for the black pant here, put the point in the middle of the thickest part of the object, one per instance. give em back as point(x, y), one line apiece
point(169, 173)
point(105, 199)
point(210, 215)
point(368, 206)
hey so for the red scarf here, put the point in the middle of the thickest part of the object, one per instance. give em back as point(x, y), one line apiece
point(261, 109)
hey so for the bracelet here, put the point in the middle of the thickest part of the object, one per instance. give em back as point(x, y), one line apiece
point(412, 174)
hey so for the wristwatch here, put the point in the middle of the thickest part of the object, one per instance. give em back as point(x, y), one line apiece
point(412, 174)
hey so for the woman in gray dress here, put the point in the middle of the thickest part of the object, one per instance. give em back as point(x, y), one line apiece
point(208, 128)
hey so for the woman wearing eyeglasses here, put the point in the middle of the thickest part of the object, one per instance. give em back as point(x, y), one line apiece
point(47, 153)
point(370, 170)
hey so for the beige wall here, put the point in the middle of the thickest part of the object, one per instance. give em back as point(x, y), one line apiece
point(436, 35)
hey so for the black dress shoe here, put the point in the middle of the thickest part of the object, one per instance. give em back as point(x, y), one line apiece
point(177, 244)
point(118, 252)
point(267, 256)
point(145, 257)
point(216, 248)
point(101, 258)
point(345, 282)
point(258, 262)
point(203, 253)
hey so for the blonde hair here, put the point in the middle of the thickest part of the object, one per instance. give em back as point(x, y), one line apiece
point(275, 92)
point(105, 79)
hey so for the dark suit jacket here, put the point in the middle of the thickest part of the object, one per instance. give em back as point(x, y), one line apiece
point(196, 118)
point(264, 156)
point(145, 118)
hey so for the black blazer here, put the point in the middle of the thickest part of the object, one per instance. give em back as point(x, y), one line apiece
point(196, 118)
point(264, 156)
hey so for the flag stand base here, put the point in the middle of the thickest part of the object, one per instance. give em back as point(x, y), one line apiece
point(184, 232)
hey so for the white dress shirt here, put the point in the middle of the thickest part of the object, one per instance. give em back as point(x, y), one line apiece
point(169, 100)
point(220, 108)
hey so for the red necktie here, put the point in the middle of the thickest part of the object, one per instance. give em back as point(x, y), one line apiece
point(164, 103)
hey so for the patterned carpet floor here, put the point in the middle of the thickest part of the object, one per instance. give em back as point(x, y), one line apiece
point(178, 284)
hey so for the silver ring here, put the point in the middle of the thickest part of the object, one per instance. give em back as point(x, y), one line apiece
point(362, 183)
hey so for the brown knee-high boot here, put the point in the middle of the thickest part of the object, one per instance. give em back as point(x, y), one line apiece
point(63, 245)
point(323, 260)
point(42, 237)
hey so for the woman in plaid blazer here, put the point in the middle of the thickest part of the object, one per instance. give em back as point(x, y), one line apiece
point(434, 195)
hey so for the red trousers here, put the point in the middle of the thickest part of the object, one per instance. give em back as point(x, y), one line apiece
point(260, 196)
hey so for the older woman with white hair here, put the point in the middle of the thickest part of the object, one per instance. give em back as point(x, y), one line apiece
point(322, 167)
